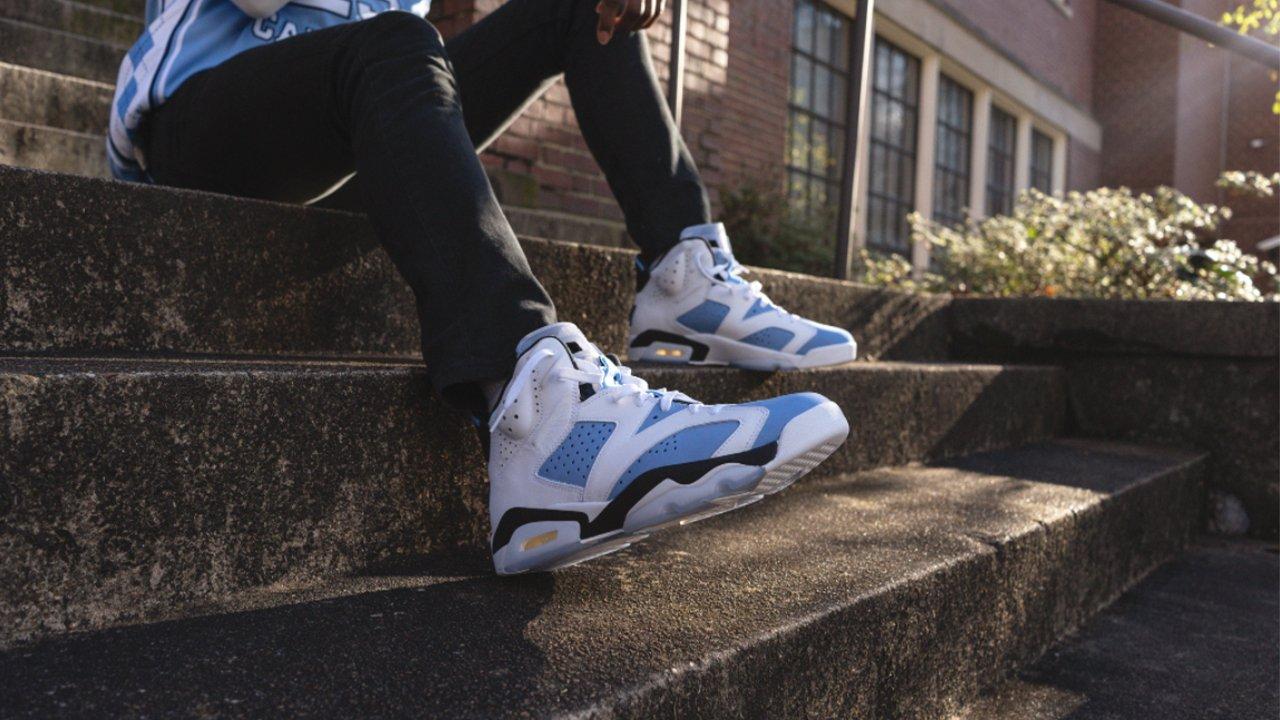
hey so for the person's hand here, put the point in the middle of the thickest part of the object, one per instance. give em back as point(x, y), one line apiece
point(626, 16)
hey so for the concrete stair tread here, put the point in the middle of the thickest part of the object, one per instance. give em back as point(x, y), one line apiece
point(1196, 639)
point(86, 20)
point(32, 45)
point(124, 478)
point(129, 8)
point(109, 267)
point(46, 148)
point(899, 591)
point(40, 97)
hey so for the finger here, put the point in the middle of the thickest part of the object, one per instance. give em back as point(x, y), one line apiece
point(608, 10)
point(630, 16)
point(650, 12)
point(659, 6)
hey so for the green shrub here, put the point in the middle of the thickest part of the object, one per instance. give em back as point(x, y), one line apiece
point(766, 232)
point(1106, 243)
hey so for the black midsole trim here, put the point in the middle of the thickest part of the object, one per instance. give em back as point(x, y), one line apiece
point(614, 514)
point(649, 337)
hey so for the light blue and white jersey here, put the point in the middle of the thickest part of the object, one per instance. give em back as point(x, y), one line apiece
point(183, 37)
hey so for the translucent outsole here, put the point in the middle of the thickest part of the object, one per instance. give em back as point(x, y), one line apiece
point(725, 499)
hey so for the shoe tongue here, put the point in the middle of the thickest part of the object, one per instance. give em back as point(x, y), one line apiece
point(569, 334)
point(717, 240)
point(716, 237)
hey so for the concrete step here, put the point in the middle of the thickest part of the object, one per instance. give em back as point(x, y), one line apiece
point(37, 97)
point(31, 45)
point(91, 21)
point(44, 148)
point(1197, 639)
point(554, 225)
point(895, 593)
point(129, 487)
point(131, 8)
point(61, 102)
point(98, 266)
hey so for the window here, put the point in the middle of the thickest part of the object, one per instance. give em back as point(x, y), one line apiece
point(816, 135)
point(1041, 162)
point(894, 108)
point(1000, 164)
point(953, 152)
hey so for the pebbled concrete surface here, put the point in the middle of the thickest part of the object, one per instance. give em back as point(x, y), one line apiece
point(98, 267)
point(892, 593)
point(1228, 407)
point(988, 328)
point(73, 16)
point(1197, 639)
point(1203, 374)
point(31, 45)
point(45, 148)
point(134, 8)
point(36, 97)
point(129, 487)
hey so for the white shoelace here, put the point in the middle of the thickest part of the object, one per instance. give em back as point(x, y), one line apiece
point(516, 386)
point(751, 290)
point(615, 381)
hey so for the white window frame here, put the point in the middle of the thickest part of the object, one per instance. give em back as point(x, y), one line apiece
point(932, 64)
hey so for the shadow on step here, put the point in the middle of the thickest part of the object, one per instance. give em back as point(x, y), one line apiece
point(996, 413)
point(373, 653)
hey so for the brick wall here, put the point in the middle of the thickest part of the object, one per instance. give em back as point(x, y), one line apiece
point(1123, 66)
point(1056, 48)
point(734, 119)
point(1159, 95)
point(1252, 143)
point(1084, 166)
point(1136, 98)
point(754, 104)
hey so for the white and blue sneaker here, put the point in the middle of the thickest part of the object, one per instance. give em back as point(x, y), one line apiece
point(693, 306)
point(585, 459)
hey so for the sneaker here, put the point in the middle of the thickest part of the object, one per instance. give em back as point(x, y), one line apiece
point(693, 306)
point(585, 459)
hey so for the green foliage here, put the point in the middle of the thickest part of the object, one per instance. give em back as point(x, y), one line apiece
point(1260, 17)
point(768, 233)
point(1107, 243)
point(1250, 183)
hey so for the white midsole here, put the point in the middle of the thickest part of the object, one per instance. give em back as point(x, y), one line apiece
point(727, 351)
point(822, 426)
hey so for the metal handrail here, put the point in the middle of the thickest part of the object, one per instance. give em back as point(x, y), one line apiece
point(1207, 30)
point(860, 63)
point(675, 76)
point(860, 60)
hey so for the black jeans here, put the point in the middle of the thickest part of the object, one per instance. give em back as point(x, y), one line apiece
point(386, 99)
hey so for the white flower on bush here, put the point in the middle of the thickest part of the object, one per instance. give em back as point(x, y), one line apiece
point(1106, 243)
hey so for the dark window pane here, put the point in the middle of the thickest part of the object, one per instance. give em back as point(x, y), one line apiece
point(822, 80)
point(1000, 162)
point(818, 99)
point(952, 155)
point(802, 82)
point(892, 171)
point(822, 36)
point(799, 141)
point(803, 37)
point(820, 150)
point(837, 154)
point(839, 105)
point(840, 48)
point(1041, 161)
